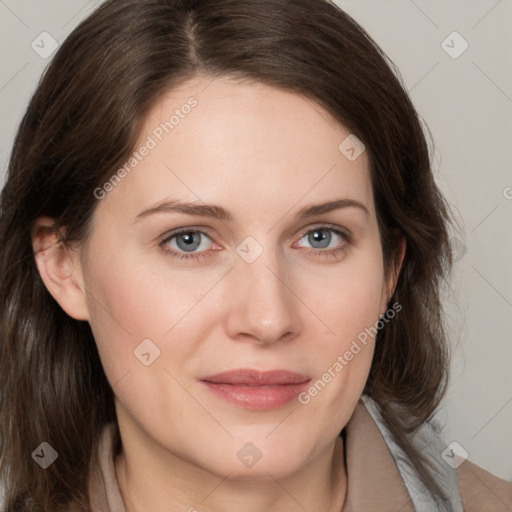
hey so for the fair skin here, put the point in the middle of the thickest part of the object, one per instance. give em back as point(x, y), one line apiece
point(263, 154)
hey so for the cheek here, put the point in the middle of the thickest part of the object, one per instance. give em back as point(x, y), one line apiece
point(347, 304)
point(130, 301)
point(347, 299)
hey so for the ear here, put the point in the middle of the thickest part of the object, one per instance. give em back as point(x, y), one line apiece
point(392, 278)
point(60, 268)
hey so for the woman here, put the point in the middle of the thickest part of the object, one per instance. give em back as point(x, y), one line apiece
point(172, 337)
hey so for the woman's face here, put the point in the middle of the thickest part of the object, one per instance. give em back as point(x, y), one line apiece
point(281, 272)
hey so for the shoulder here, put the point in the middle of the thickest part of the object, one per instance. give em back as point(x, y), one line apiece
point(482, 491)
point(468, 487)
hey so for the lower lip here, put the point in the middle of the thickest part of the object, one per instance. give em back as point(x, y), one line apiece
point(261, 398)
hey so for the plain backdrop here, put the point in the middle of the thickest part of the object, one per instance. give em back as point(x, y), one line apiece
point(454, 57)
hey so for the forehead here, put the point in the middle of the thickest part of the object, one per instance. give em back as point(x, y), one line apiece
point(249, 146)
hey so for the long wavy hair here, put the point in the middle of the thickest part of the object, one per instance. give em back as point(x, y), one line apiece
point(82, 123)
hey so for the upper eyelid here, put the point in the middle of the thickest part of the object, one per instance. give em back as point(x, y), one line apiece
point(327, 227)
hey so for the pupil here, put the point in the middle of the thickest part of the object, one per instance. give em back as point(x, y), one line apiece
point(188, 241)
point(318, 235)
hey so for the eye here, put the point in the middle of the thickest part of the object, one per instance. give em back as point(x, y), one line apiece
point(189, 243)
point(327, 240)
point(186, 244)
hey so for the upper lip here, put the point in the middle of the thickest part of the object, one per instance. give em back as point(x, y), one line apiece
point(249, 377)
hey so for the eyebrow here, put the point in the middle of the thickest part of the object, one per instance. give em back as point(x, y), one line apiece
point(218, 212)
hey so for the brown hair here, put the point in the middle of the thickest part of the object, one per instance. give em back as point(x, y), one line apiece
point(82, 124)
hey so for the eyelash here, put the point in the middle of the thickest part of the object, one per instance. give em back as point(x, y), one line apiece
point(321, 253)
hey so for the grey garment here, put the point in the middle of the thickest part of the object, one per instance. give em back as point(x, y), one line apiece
point(429, 444)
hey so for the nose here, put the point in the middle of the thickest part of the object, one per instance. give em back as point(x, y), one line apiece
point(261, 303)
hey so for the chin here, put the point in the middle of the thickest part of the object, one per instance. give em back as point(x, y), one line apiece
point(257, 460)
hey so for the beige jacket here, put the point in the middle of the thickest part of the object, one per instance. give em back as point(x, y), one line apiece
point(374, 482)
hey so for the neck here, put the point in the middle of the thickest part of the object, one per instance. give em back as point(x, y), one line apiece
point(173, 484)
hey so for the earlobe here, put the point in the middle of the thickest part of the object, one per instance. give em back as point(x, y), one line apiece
point(59, 268)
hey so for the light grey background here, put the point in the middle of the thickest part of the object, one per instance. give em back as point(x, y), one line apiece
point(467, 103)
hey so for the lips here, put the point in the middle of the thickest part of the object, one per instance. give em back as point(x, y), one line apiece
point(256, 378)
point(257, 390)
